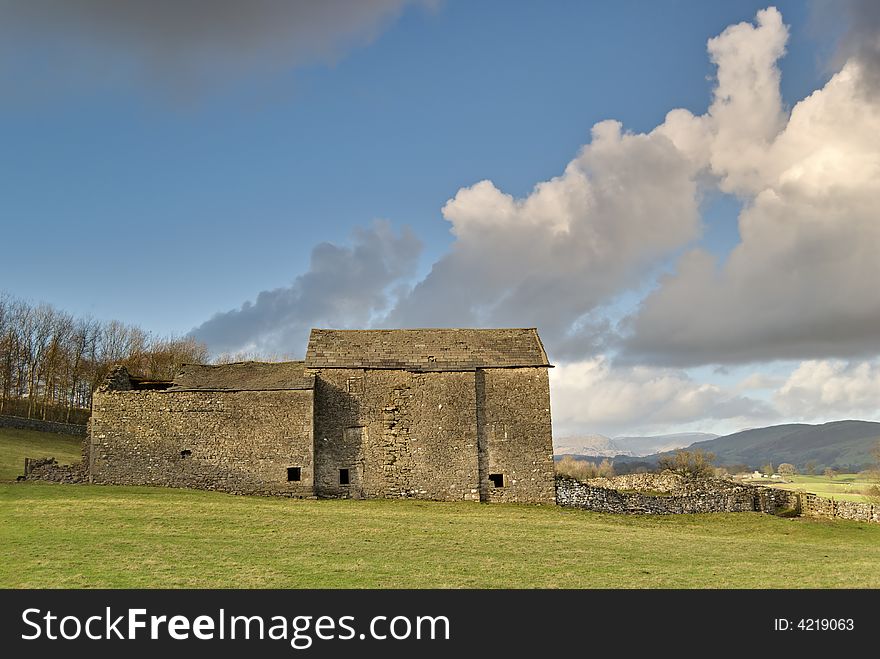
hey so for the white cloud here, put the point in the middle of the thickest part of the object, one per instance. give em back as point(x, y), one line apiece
point(548, 259)
point(832, 389)
point(800, 285)
point(802, 282)
point(595, 396)
point(758, 381)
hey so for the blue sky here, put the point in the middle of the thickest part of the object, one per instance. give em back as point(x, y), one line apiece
point(196, 204)
point(144, 189)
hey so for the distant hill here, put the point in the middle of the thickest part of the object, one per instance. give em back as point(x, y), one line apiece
point(844, 445)
point(597, 445)
point(657, 443)
point(602, 446)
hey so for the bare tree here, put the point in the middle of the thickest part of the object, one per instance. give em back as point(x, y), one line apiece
point(51, 362)
point(693, 464)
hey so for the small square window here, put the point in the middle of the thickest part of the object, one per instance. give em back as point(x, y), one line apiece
point(344, 477)
point(497, 480)
point(294, 474)
point(185, 453)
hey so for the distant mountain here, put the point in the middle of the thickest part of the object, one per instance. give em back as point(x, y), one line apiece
point(640, 446)
point(606, 447)
point(596, 445)
point(844, 445)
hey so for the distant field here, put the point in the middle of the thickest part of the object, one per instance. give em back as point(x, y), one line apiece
point(844, 487)
point(16, 445)
point(63, 536)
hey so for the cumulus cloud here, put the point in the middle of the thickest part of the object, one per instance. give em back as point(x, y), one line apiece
point(343, 287)
point(611, 400)
point(551, 258)
point(757, 380)
point(820, 389)
point(802, 282)
point(193, 42)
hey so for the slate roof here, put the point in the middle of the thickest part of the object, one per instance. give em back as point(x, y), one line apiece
point(425, 349)
point(242, 376)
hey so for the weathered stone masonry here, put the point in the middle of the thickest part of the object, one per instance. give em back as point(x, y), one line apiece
point(446, 414)
point(240, 441)
point(677, 495)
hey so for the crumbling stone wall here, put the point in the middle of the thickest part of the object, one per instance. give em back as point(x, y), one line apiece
point(621, 495)
point(666, 481)
point(514, 435)
point(241, 442)
point(399, 433)
point(691, 496)
point(48, 469)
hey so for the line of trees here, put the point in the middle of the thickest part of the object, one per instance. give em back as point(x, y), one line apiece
point(51, 361)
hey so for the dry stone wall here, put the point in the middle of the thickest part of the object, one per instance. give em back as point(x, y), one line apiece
point(42, 426)
point(241, 442)
point(812, 505)
point(677, 495)
point(691, 496)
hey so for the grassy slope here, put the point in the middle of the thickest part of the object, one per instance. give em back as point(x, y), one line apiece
point(16, 445)
point(93, 536)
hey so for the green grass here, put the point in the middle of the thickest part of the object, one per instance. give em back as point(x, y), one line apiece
point(61, 536)
point(844, 487)
point(16, 445)
point(115, 537)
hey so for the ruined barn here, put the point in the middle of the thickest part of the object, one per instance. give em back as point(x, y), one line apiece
point(444, 414)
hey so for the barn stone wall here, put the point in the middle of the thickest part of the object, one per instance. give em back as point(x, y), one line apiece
point(240, 442)
point(515, 437)
point(399, 433)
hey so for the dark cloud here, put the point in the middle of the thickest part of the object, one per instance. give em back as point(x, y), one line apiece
point(344, 287)
point(863, 39)
point(858, 22)
point(188, 43)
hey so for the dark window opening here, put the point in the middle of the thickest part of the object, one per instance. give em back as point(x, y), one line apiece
point(185, 453)
point(294, 474)
point(497, 480)
point(343, 477)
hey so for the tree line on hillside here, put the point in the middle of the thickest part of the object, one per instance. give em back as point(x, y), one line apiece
point(52, 361)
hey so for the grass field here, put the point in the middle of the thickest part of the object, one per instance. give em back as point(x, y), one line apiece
point(844, 487)
point(16, 445)
point(115, 537)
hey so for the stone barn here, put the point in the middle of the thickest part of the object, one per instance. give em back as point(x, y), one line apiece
point(444, 414)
